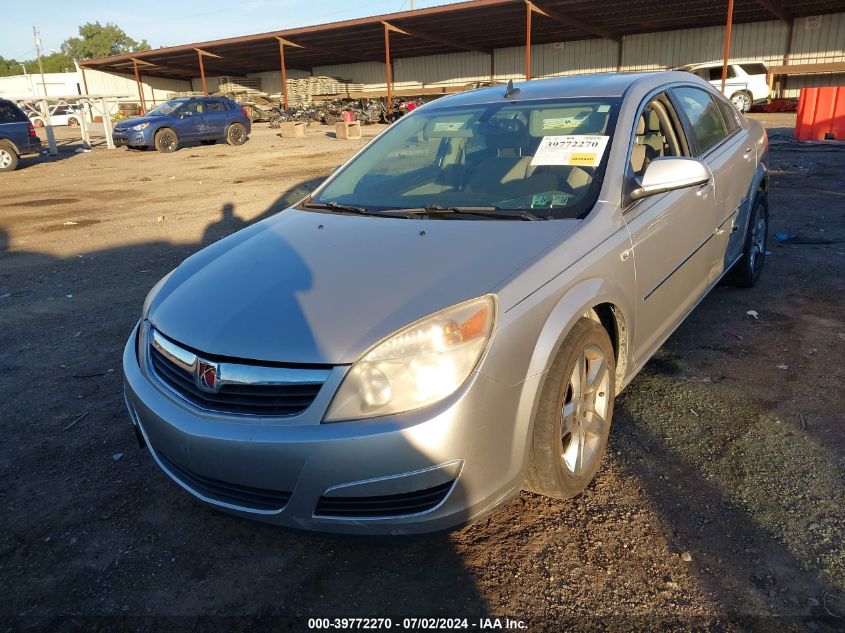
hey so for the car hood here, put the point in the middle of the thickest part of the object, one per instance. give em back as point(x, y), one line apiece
point(136, 120)
point(305, 287)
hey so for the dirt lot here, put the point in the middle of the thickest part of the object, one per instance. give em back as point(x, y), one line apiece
point(720, 505)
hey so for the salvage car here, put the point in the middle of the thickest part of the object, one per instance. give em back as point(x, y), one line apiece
point(448, 318)
point(203, 119)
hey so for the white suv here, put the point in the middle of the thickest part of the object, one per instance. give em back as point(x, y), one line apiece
point(747, 82)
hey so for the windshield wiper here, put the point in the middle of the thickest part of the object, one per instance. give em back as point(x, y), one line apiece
point(488, 212)
point(334, 206)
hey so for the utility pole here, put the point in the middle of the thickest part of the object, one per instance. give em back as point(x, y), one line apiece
point(45, 110)
point(40, 63)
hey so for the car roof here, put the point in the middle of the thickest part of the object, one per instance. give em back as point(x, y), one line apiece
point(604, 85)
point(719, 63)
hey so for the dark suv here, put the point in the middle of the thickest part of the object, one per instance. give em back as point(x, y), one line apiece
point(17, 136)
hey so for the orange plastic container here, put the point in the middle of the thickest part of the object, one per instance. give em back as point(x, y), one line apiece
point(821, 114)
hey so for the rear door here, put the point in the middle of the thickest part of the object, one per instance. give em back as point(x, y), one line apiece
point(671, 233)
point(721, 142)
point(217, 118)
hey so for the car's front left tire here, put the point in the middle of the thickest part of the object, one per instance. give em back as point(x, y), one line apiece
point(572, 423)
point(166, 140)
point(236, 134)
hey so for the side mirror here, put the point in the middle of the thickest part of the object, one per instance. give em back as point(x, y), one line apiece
point(669, 174)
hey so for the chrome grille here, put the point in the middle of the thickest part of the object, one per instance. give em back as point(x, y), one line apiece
point(243, 389)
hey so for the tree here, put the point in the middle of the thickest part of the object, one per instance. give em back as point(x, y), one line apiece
point(101, 40)
point(9, 67)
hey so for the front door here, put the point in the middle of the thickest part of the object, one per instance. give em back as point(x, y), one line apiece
point(671, 233)
point(190, 121)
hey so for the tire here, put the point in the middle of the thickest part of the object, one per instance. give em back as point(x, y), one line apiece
point(211, 141)
point(747, 270)
point(742, 101)
point(72, 121)
point(236, 134)
point(38, 123)
point(572, 423)
point(8, 158)
point(166, 141)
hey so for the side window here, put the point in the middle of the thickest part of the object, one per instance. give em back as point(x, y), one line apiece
point(656, 136)
point(753, 69)
point(716, 73)
point(193, 108)
point(704, 116)
point(9, 113)
point(730, 114)
point(216, 106)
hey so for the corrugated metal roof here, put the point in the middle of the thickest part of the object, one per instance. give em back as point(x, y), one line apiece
point(479, 25)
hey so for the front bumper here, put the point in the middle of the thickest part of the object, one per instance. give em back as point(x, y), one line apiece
point(466, 447)
point(125, 137)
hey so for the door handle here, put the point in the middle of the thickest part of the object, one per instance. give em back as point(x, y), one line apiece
point(749, 152)
point(705, 190)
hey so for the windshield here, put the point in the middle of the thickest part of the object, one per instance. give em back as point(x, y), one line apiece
point(511, 156)
point(167, 108)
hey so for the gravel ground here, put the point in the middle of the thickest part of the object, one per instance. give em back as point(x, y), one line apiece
point(719, 507)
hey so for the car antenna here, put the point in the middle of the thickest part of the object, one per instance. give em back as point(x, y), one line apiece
point(511, 91)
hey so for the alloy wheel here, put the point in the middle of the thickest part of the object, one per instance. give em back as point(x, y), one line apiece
point(168, 141)
point(584, 412)
point(758, 244)
point(236, 135)
point(741, 101)
point(5, 158)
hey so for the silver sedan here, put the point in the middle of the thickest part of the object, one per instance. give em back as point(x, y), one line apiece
point(448, 318)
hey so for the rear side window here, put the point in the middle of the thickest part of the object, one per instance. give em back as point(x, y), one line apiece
point(716, 73)
point(705, 118)
point(753, 69)
point(216, 106)
point(10, 113)
point(730, 114)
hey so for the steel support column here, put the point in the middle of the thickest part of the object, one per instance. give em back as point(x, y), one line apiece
point(528, 11)
point(284, 73)
point(388, 71)
point(140, 88)
point(727, 51)
point(202, 71)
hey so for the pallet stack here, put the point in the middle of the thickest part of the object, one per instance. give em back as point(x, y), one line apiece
point(302, 91)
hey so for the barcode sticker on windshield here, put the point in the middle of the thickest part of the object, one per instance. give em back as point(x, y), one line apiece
point(575, 149)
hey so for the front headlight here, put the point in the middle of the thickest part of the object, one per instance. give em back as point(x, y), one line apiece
point(418, 365)
point(140, 126)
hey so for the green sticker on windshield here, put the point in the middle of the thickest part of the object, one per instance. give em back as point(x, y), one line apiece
point(551, 200)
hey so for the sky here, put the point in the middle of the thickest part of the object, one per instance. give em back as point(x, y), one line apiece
point(168, 23)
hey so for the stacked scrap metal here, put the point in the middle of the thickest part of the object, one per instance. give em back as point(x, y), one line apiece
point(302, 91)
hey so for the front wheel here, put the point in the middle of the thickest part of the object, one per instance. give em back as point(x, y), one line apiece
point(747, 270)
point(166, 141)
point(573, 418)
point(742, 101)
point(236, 134)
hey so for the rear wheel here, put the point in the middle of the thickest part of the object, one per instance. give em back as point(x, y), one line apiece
point(742, 101)
point(166, 141)
point(573, 418)
point(747, 270)
point(8, 158)
point(236, 134)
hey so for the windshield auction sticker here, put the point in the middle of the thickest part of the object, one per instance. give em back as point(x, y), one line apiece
point(581, 150)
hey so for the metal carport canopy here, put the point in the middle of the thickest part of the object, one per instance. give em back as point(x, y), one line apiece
point(480, 25)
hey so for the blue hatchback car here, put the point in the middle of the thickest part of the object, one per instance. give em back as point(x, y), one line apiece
point(204, 119)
